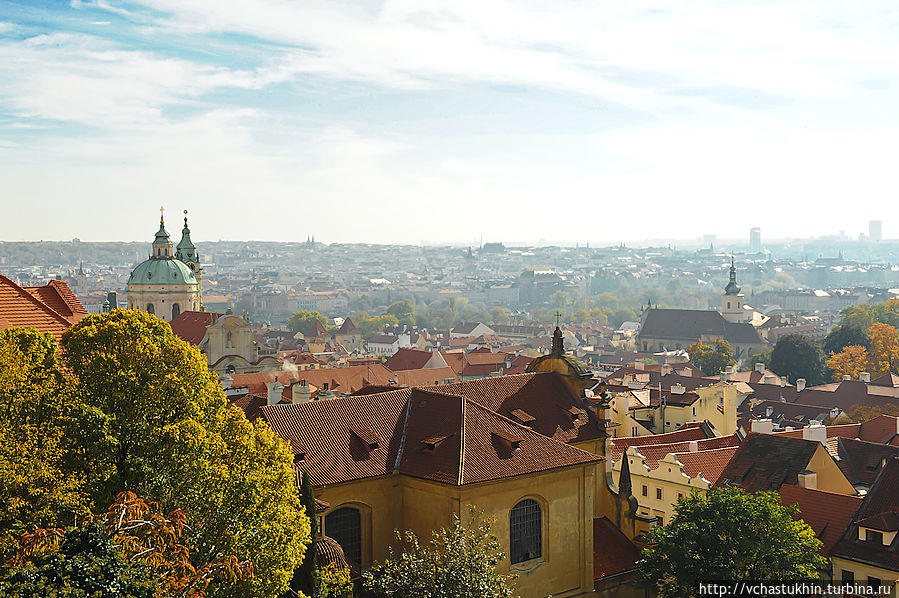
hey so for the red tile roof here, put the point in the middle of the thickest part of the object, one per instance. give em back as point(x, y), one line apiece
point(20, 307)
point(57, 295)
point(767, 462)
point(408, 359)
point(191, 326)
point(470, 451)
point(613, 552)
point(827, 513)
point(708, 462)
point(691, 431)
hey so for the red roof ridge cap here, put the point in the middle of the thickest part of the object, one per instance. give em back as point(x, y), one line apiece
point(22, 292)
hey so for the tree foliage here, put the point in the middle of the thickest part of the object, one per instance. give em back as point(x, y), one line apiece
point(727, 534)
point(86, 564)
point(304, 578)
point(863, 413)
point(880, 357)
point(459, 562)
point(845, 336)
point(863, 316)
point(304, 321)
point(332, 582)
point(403, 311)
point(711, 358)
point(372, 327)
point(797, 356)
point(137, 410)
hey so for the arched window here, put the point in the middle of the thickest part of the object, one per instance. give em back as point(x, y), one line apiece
point(525, 531)
point(345, 526)
point(150, 308)
point(176, 309)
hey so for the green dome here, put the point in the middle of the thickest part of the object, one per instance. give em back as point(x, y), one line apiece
point(162, 271)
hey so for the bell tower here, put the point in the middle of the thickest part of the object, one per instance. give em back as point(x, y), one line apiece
point(187, 253)
point(732, 299)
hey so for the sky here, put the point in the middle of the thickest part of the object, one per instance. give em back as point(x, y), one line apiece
point(415, 121)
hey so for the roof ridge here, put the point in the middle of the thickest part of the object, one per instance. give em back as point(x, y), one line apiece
point(22, 292)
point(461, 477)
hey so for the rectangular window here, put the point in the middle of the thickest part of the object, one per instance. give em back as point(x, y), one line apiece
point(875, 537)
point(659, 493)
point(680, 496)
point(873, 582)
point(645, 491)
point(634, 431)
point(847, 576)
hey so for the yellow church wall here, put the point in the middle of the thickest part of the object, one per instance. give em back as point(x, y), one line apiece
point(566, 495)
point(829, 476)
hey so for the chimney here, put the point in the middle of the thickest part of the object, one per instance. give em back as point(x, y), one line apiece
point(274, 392)
point(694, 446)
point(760, 368)
point(678, 389)
point(769, 379)
point(769, 411)
point(864, 376)
point(762, 426)
point(800, 384)
point(301, 392)
point(815, 432)
point(847, 377)
point(639, 364)
point(666, 369)
point(783, 381)
point(808, 479)
point(725, 376)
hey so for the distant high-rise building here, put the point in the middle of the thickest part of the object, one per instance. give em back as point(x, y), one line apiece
point(875, 231)
point(755, 239)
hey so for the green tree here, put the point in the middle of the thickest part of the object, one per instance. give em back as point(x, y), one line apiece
point(304, 578)
point(499, 315)
point(86, 565)
point(727, 534)
point(177, 442)
point(844, 336)
point(798, 356)
point(304, 321)
point(334, 582)
point(372, 327)
point(40, 482)
point(403, 311)
point(763, 357)
point(711, 358)
point(459, 562)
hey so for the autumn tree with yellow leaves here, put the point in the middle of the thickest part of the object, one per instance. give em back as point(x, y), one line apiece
point(880, 358)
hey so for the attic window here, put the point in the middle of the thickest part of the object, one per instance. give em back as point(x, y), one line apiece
point(574, 412)
point(510, 440)
point(299, 457)
point(433, 442)
point(368, 437)
point(523, 416)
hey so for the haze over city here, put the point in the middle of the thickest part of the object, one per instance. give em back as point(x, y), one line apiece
point(410, 122)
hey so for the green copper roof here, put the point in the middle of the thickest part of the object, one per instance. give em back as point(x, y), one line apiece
point(162, 235)
point(162, 271)
point(186, 250)
point(732, 288)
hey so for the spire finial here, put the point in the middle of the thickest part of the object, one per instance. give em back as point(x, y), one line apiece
point(185, 217)
point(161, 215)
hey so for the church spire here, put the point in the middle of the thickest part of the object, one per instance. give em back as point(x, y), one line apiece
point(187, 251)
point(732, 288)
point(162, 244)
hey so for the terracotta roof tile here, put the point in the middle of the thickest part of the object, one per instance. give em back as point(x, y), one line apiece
point(21, 308)
point(827, 513)
point(691, 431)
point(408, 359)
point(57, 295)
point(613, 552)
point(708, 462)
point(191, 326)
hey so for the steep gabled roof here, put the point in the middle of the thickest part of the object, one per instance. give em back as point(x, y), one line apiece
point(767, 462)
point(708, 462)
point(408, 359)
point(57, 295)
point(613, 552)
point(21, 308)
point(883, 497)
point(691, 324)
point(860, 461)
point(421, 433)
point(348, 327)
point(688, 432)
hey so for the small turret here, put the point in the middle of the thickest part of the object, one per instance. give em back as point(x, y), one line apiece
point(732, 288)
point(162, 244)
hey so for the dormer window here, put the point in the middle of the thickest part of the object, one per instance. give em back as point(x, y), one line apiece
point(574, 413)
point(299, 457)
point(874, 537)
point(368, 437)
point(511, 441)
point(523, 416)
point(433, 442)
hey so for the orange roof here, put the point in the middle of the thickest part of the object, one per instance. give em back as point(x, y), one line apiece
point(690, 431)
point(57, 295)
point(709, 463)
point(431, 435)
point(20, 307)
point(191, 326)
point(613, 552)
point(827, 513)
point(408, 359)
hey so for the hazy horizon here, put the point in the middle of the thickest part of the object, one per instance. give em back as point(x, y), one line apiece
point(396, 122)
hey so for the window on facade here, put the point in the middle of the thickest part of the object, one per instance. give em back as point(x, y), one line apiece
point(875, 537)
point(525, 531)
point(847, 575)
point(150, 308)
point(680, 496)
point(345, 526)
point(645, 491)
point(728, 305)
point(176, 310)
point(634, 431)
point(873, 582)
point(659, 493)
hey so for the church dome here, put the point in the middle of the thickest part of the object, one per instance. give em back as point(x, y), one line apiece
point(162, 271)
